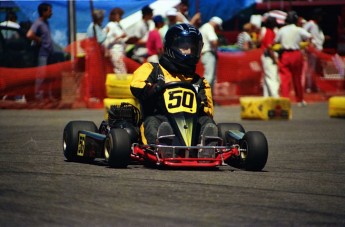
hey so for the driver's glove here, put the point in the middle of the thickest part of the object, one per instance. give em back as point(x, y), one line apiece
point(157, 87)
point(160, 83)
point(202, 97)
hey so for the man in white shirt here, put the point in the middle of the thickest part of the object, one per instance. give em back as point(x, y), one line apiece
point(291, 60)
point(142, 29)
point(209, 51)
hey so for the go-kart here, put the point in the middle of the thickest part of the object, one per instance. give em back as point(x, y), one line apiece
point(117, 139)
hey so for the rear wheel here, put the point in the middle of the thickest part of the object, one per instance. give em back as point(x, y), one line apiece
point(117, 148)
point(253, 151)
point(71, 139)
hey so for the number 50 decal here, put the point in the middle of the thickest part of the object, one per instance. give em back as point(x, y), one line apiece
point(180, 100)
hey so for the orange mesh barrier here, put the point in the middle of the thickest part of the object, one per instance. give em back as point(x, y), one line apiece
point(238, 73)
point(237, 67)
point(329, 74)
point(94, 71)
point(21, 81)
point(81, 82)
point(70, 84)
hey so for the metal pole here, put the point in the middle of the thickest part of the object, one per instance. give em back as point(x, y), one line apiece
point(72, 27)
point(94, 26)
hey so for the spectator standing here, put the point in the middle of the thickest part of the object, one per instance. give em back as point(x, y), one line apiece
point(291, 60)
point(244, 40)
point(95, 27)
point(154, 41)
point(39, 32)
point(171, 20)
point(269, 58)
point(142, 29)
point(116, 40)
point(318, 39)
point(183, 17)
point(209, 50)
point(11, 22)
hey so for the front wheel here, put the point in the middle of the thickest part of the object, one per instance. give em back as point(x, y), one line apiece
point(253, 151)
point(117, 148)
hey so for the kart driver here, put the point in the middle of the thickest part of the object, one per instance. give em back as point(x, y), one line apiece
point(182, 49)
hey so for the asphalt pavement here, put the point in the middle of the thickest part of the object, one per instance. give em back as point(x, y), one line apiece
point(302, 184)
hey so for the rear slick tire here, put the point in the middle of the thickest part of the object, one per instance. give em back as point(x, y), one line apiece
point(71, 139)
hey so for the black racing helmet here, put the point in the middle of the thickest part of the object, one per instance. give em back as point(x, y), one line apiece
point(183, 37)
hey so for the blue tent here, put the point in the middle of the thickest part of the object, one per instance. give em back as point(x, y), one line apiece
point(225, 9)
point(59, 22)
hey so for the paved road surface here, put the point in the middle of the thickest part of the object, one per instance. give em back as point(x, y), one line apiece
point(303, 183)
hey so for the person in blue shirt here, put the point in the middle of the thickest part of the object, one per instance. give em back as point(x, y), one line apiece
point(39, 33)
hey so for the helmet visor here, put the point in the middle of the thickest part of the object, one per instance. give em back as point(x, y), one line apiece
point(187, 46)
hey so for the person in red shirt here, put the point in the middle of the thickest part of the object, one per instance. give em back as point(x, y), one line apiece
point(154, 42)
point(271, 80)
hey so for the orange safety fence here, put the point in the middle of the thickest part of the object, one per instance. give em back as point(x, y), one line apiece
point(329, 73)
point(16, 82)
point(238, 73)
point(70, 84)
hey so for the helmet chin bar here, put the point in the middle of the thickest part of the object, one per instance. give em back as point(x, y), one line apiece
point(177, 67)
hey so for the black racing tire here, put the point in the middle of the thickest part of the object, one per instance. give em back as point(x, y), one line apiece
point(253, 151)
point(71, 139)
point(117, 148)
point(224, 127)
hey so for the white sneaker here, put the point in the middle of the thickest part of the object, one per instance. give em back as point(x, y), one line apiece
point(302, 104)
point(20, 99)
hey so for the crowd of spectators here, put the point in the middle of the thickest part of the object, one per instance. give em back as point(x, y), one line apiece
point(278, 75)
point(285, 61)
point(287, 29)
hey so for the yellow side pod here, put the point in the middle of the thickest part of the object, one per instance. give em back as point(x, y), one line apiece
point(117, 85)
